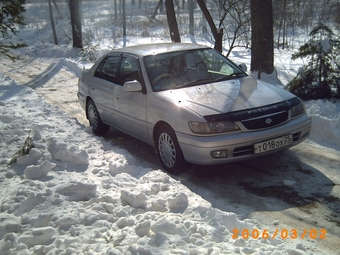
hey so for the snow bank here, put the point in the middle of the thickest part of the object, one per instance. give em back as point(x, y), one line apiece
point(75, 193)
point(326, 122)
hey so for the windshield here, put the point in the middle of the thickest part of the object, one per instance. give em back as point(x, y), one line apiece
point(189, 68)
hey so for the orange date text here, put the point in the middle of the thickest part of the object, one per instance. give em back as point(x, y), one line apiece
point(279, 233)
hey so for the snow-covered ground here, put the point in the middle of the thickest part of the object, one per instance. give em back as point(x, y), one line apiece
point(75, 193)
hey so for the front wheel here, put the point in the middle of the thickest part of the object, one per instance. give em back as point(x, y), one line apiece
point(169, 152)
point(98, 127)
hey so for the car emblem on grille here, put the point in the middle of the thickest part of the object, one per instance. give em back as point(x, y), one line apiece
point(268, 121)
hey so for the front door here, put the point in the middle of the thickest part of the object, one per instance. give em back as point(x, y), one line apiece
point(131, 106)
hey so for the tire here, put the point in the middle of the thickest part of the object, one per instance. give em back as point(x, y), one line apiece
point(98, 127)
point(169, 152)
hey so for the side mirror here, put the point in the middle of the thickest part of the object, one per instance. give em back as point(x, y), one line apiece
point(132, 86)
point(243, 67)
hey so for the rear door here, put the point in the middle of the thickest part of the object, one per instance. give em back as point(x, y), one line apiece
point(102, 89)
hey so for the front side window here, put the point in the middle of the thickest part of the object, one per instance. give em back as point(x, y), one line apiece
point(188, 68)
point(129, 70)
point(107, 70)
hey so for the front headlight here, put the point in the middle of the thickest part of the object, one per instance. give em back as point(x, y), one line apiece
point(297, 110)
point(212, 127)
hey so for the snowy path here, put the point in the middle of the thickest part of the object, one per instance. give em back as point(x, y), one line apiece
point(55, 79)
point(298, 189)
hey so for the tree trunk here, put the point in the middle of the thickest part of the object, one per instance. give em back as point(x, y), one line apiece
point(115, 18)
point(76, 23)
point(191, 17)
point(124, 23)
point(57, 8)
point(124, 18)
point(52, 23)
point(158, 7)
point(262, 48)
point(217, 33)
point(284, 32)
point(171, 17)
point(204, 23)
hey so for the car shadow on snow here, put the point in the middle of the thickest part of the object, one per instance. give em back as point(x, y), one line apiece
point(270, 183)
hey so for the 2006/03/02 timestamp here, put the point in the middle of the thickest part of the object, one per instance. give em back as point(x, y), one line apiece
point(279, 233)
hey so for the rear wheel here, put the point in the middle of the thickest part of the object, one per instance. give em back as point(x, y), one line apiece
point(98, 127)
point(169, 152)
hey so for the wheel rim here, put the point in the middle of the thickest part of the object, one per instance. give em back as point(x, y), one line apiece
point(167, 150)
point(92, 114)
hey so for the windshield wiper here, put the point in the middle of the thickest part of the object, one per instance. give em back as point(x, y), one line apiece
point(227, 77)
point(208, 79)
point(194, 82)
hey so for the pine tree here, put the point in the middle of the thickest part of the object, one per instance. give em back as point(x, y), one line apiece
point(10, 16)
point(320, 78)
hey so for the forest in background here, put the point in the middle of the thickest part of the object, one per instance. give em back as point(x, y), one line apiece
point(147, 18)
point(293, 22)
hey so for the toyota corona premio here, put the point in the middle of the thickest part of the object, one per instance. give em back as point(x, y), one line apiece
point(191, 103)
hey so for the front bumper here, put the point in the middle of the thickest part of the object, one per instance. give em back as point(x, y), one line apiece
point(239, 146)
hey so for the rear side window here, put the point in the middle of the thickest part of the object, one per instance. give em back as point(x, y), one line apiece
point(107, 70)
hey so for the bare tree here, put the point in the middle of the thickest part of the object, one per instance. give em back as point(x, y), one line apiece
point(280, 13)
point(56, 7)
point(115, 18)
point(171, 17)
point(52, 22)
point(159, 6)
point(217, 32)
point(124, 22)
point(236, 22)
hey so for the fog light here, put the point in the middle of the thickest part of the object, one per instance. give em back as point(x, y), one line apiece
point(219, 154)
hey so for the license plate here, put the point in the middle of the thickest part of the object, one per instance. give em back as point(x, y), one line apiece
point(273, 144)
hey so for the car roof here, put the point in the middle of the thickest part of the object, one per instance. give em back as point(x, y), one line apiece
point(157, 48)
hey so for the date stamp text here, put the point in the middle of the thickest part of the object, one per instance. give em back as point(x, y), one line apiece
point(279, 233)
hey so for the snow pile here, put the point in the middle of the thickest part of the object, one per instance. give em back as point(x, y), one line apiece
point(326, 122)
point(75, 193)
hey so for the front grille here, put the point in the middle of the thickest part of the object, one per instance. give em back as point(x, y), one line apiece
point(296, 136)
point(266, 121)
point(242, 151)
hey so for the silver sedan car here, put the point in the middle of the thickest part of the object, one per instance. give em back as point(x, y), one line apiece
point(191, 103)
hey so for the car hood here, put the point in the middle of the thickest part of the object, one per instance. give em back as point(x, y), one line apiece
point(227, 96)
